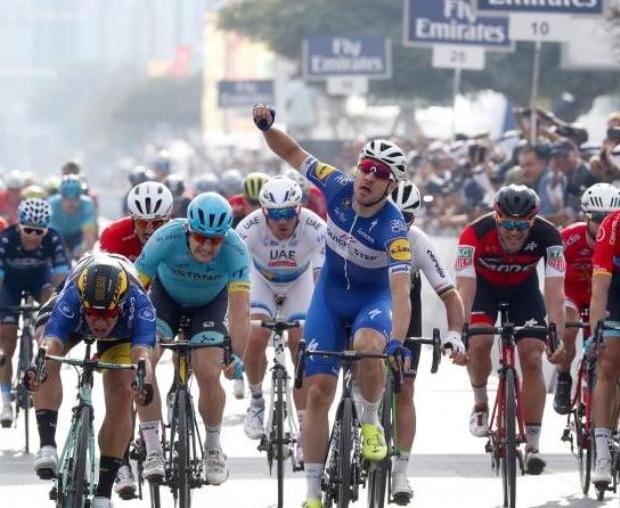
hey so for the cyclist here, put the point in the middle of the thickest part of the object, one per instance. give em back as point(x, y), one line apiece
point(579, 239)
point(150, 206)
point(137, 175)
point(32, 259)
point(181, 200)
point(162, 166)
point(231, 182)
point(313, 198)
point(11, 197)
point(287, 246)
point(366, 272)
point(245, 203)
point(604, 304)
point(425, 259)
point(34, 192)
point(496, 262)
point(73, 216)
point(202, 271)
point(207, 182)
point(103, 298)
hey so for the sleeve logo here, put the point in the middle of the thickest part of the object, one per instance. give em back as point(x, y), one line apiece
point(400, 249)
point(464, 257)
point(322, 171)
point(555, 258)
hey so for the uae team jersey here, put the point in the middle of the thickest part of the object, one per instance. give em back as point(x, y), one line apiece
point(480, 253)
point(120, 238)
point(189, 282)
point(578, 254)
point(361, 252)
point(606, 258)
point(426, 260)
point(282, 261)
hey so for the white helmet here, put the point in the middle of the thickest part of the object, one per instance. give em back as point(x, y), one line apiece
point(388, 153)
point(297, 177)
point(280, 192)
point(149, 200)
point(14, 180)
point(406, 196)
point(600, 197)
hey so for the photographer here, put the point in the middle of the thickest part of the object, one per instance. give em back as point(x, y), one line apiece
point(606, 166)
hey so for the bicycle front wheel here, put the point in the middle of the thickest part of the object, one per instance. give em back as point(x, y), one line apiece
point(23, 396)
point(80, 477)
point(279, 421)
point(154, 495)
point(344, 454)
point(583, 438)
point(183, 451)
point(508, 459)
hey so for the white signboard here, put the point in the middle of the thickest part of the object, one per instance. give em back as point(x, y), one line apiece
point(592, 47)
point(540, 27)
point(347, 85)
point(458, 57)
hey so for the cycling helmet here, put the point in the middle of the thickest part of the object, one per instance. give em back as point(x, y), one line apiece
point(140, 174)
point(34, 212)
point(27, 178)
point(252, 184)
point(298, 178)
point(176, 184)
point(102, 283)
point(388, 153)
point(517, 201)
point(600, 197)
point(162, 163)
point(34, 191)
point(231, 182)
point(207, 182)
point(280, 192)
point(71, 168)
point(406, 197)
point(149, 200)
point(70, 187)
point(51, 185)
point(14, 180)
point(209, 214)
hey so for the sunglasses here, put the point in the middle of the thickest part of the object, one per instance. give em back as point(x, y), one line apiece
point(144, 223)
point(597, 217)
point(34, 231)
point(282, 213)
point(101, 314)
point(200, 238)
point(510, 224)
point(382, 171)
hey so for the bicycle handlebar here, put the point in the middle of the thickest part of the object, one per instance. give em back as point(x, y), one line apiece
point(579, 324)
point(550, 331)
point(27, 309)
point(276, 325)
point(91, 364)
point(435, 342)
point(187, 347)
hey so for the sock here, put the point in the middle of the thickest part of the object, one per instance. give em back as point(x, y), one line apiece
point(564, 376)
point(212, 441)
point(150, 434)
point(369, 411)
point(126, 457)
point(5, 392)
point(480, 395)
point(300, 419)
point(602, 437)
point(108, 467)
point(314, 472)
point(257, 393)
point(532, 435)
point(400, 463)
point(46, 423)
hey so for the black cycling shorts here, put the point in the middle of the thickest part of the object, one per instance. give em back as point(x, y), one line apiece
point(415, 323)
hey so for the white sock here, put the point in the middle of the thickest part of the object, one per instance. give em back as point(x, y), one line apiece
point(212, 441)
point(314, 472)
point(532, 436)
point(5, 391)
point(400, 463)
point(150, 434)
point(480, 394)
point(300, 419)
point(369, 411)
point(602, 437)
point(257, 393)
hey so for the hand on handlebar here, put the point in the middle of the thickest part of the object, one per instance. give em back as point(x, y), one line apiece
point(453, 345)
point(563, 354)
point(399, 355)
point(36, 374)
point(235, 368)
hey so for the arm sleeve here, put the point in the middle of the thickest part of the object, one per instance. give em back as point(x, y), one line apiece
point(426, 258)
point(239, 278)
point(606, 241)
point(318, 258)
point(555, 263)
point(60, 263)
point(65, 316)
point(89, 217)
point(320, 174)
point(398, 248)
point(143, 331)
point(148, 261)
point(246, 230)
point(464, 265)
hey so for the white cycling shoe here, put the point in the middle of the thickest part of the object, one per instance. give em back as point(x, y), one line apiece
point(125, 483)
point(101, 502)
point(602, 471)
point(253, 425)
point(6, 416)
point(153, 468)
point(216, 469)
point(401, 490)
point(46, 462)
point(479, 421)
point(534, 463)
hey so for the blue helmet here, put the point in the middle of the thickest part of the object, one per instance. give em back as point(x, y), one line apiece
point(70, 187)
point(209, 214)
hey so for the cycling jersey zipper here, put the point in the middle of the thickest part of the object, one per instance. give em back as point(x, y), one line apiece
point(346, 259)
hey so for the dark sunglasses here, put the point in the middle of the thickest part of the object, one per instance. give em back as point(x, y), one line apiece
point(282, 213)
point(382, 171)
point(101, 314)
point(34, 231)
point(597, 217)
point(510, 224)
point(144, 223)
point(200, 238)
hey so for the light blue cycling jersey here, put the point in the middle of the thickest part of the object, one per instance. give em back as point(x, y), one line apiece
point(70, 224)
point(361, 251)
point(189, 282)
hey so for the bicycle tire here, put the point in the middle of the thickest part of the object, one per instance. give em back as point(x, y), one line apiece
point(183, 451)
point(279, 417)
point(584, 452)
point(23, 396)
point(154, 495)
point(508, 459)
point(344, 454)
point(79, 474)
point(380, 472)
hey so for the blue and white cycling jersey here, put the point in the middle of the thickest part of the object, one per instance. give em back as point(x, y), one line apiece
point(189, 282)
point(361, 251)
point(70, 224)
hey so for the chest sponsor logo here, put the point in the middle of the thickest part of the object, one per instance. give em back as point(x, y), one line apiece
point(600, 234)
point(208, 324)
point(398, 226)
point(582, 267)
point(498, 265)
point(572, 239)
point(194, 275)
point(65, 309)
point(435, 261)
point(365, 235)
point(251, 223)
point(400, 249)
point(586, 253)
point(147, 314)
point(464, 257)
point(555, 258)
point(372, 225)
point(346, 203)
point(530, 246)
point(322, 171)
point(313, 223)
point(282, 257)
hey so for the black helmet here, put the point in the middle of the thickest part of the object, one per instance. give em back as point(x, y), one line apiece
point(102, 283)
point(517, 201)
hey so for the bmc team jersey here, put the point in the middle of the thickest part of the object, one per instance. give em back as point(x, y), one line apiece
point(282, 261)
point(578, 254)
point(69, 224)
point(481, 253)
point(136, 320)
point(120, 238)
point(189, 282)
point(20, 268)
point(361, 251)
point(426, 260)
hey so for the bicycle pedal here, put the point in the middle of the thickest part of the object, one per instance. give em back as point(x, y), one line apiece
point(566, 435)
point(53, 494)
point(488, 447)
point(46, 474)
point(128, 495)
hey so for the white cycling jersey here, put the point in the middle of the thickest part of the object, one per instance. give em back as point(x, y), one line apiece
point(426, 259)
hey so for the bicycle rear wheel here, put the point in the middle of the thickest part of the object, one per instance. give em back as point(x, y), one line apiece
point(23, 396)
point(344, 454)
point(279, 421)
point(183, 451)
point(79, 476)
point(379, 474)
point(508, 458)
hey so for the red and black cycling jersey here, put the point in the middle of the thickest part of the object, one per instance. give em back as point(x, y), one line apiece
point(606, 258)
point(480, 253)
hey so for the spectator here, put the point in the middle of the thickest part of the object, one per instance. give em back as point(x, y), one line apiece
point(536, 174)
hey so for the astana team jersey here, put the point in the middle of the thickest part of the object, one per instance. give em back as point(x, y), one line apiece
point(70, 224)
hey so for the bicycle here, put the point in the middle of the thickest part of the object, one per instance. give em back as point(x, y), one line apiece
point(379, 474)
point(507, 428)
point(74, 483)
point(25, 336)
point(184, 451)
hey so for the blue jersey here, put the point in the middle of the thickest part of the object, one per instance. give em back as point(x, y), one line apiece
point(136, 320)
point(361, 251)
point(70, 224)
point(189, 282)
